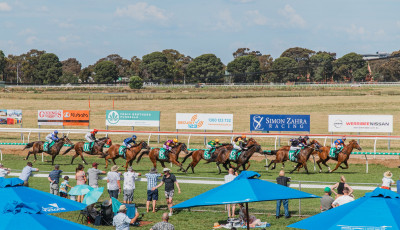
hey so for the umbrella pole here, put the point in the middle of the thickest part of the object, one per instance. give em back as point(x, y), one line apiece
point(247, 216)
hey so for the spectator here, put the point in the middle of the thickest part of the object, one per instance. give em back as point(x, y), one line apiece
point(253, 221)
point(113, 182)
point(169, 180)
point(93, 175)
point(152, 195)
point(228, 178)
point(340, 186)
point(326, 200)
point(164, 225)
point(282, 180)
point(64, 187)
point(387, 181)
point(398, 186)
point(121, 221)
point(54, 179)
point(129, 184)
point(4, 171)
point(344, 199)
point(26, 173)
point(81, 179)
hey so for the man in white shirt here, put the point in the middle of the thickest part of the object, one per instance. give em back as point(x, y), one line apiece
point(4, 171)
point(121, 221)
point(129, 184)
point(341, 200)
point(26, 173)
point(228, 178)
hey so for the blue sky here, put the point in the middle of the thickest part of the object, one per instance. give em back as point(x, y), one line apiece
point(92, 29)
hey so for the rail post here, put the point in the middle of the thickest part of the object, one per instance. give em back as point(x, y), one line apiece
point(299, 199)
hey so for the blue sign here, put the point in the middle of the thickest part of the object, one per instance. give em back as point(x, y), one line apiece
point(273, 122)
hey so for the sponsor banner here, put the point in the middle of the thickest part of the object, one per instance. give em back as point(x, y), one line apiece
point(132, 118)
point(76, 117)
point(204, 121)
point(280, 122)
point(10, 116)
point(361, 123)
point(50, 117)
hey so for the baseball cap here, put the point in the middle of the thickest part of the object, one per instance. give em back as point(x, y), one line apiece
point(327, 189)
point(94, 164)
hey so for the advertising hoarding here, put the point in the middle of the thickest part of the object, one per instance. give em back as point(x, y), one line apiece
point(204, 121)
point(132, 118)
point(279, 122)
point(360, 123)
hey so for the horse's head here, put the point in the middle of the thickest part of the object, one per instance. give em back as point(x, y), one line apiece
point(145, 145)
point(67, 140)
point(315, 142)
point(355, 144)
point(108, 141)
point(183, 147)
point(251, 142)
point(316, 146)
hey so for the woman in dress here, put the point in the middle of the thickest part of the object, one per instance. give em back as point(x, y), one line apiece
point(80, 177)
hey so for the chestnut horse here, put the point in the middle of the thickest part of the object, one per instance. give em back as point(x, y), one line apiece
point(97, 148)
point(304, 155)
point(342, 157)
point(173, 156)
point(54, 150)
point(198, 155)
point(131, 153)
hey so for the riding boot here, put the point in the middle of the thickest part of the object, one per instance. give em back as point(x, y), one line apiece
point(213, 155)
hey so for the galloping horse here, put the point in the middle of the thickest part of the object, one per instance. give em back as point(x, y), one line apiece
point(199, 154)
point(342, 157)
point(54, 150)
point(97, 148)
point(131, 153)
point(173, 156)
point(304, 154)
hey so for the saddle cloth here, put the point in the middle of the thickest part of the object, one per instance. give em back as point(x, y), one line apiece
point(333, 152)
point(207, 154)
point(88, 146)
point(161, 154)
point(233, 156)
point(122, 151)
point(47, 146)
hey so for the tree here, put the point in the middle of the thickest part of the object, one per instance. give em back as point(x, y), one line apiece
point(49, 69)
point(105, 72)
point(265, 65)
point(324, 66)
point(135, 82)
point(123, 65)
point(302, 57)
point(244, 52)
point(177, 63)
point(284, 71)
point(72, 66)
point(205, 68)
point(154, 68)
point(86, 74)
point(27, 66)
point(350, 67)
point(2, 64)
point(245, 69)
point(135, 65)
point(389, 71)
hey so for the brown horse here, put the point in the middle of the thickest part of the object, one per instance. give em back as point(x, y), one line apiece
point(54, 150)
point(198, 155)
point(282, 155)
point(97, 148)
point(131, 153)
point(342, 157)
point(173, 156)
point(304, 155)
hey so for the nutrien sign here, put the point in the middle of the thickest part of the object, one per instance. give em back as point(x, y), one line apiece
point(361, 123)
point(273, 122)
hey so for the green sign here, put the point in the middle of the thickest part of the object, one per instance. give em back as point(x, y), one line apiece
point(132, 118)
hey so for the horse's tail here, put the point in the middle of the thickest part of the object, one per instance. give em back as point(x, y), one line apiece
point(69, 149)
point(29, 145)
point(140, 156)
point(270, 152)
point(187, 156)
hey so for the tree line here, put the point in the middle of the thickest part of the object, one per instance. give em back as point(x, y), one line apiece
point(172, 67)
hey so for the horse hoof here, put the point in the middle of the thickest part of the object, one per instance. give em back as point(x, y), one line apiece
point(320, 171)
point(329, 171)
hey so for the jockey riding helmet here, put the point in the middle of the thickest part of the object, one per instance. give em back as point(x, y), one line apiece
point(239, 139)
point(95, 131)
point(306, 137)
point(175, 140)
point(344, 138)
point(243, 136)
point(134, 136)
point(217, 140)
point(55, 132)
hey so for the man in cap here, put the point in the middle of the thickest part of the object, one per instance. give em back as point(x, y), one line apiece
point(326, 200)
point(152, 195)
point(169, 179)
point(4, 171)
point(121, 221)
point(26, 173)
point(113, 182)
point(93, 175)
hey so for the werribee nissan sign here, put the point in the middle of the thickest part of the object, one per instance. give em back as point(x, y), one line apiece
point(361, 123)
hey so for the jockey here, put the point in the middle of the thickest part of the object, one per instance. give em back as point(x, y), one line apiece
point(339, 143)
point(212, 145)
point(296, 145)
point(305, 141)
point(239, 145)
point(91, 136)
point(52, 137)
point(168, 145)
point(129, 140)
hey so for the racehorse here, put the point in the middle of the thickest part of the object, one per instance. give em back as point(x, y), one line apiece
point(131, 153)
point(173, 156)
point(199, 154)
point(97, 148)
point(282, 155)
point(342, 157)
point(54, 150)
point(243, 159)
point(304, 154)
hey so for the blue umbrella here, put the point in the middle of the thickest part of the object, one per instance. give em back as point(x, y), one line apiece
point(244, 189)
point(78, 190)
point(18, 215)
point(379, 209)
point(48, 203)
point(93, 196)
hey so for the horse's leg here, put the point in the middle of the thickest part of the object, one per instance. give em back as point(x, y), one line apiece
point(298, 165)
point(248, 166)
point(345, 163)
point(113, 160)
point(305, 166)
point(283, 164)
point(73, 157)
point(319, 166)
point(52, 159)
point(162, 164)
point(34, 154)
point(29, 153)
point(219, 168)
point(337, 166)
point(192, 165)
point(83, 159)
point(178, 164)
point(106, 159)
point(324, 163)
point(271, 163)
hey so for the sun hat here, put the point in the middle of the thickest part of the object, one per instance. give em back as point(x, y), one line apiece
point(327, 189)
point(153, 170)
point(114, 168)
point(388, 174)
point(166, 170)
point(122, 208)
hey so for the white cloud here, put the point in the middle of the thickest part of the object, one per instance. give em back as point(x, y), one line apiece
point(4, 6)
point(43, 9)
point(294, 18)
point(227, 22)
point(69, 38)
point(353, 30)
point(31, 40)
point(26, 31)
point(398, 24)
point(255, 17)
point(143, 12)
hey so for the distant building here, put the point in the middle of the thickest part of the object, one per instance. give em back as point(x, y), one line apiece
point(377, 55)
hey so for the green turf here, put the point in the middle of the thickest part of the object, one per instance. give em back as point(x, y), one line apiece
point(205, 219)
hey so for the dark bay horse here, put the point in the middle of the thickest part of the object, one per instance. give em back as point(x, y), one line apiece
point(97, 148)
point(54, 150)
point(173, 156)
point(244, 158)
point(342, 157)
point(304, 155)
point(131, 153)
point(198, 155)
